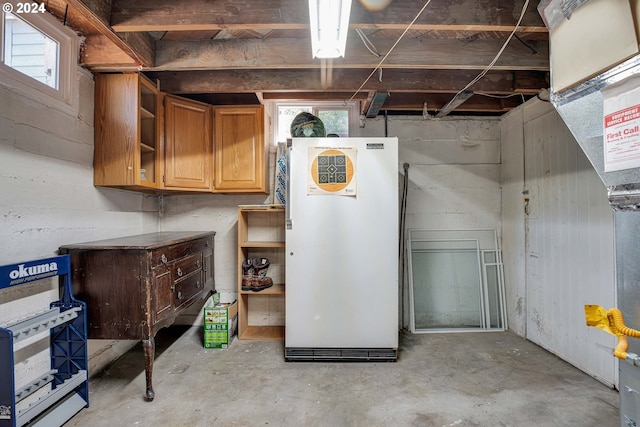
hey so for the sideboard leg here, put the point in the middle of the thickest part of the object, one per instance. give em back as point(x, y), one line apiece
point(149, 347)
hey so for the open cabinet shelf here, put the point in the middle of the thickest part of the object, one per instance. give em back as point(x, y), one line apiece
point(261, 235)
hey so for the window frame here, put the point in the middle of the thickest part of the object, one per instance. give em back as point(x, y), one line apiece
point(351, 106)
point(68, 47)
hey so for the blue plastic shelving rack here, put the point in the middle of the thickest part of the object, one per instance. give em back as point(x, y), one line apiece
point(66, 321)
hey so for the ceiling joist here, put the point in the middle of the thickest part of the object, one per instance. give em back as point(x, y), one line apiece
point(195, 15)
point(295, 53)
point(414, 81)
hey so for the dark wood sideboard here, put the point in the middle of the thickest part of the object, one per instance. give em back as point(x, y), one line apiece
point(136, 285)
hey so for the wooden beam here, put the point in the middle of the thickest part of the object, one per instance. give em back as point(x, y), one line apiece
point(91, 17)
point(404, 102)
point(367, 102)
point(99, 52)
point(313, 96)
point(195, 15)
point(455, 102)
point(295, 53)
point(475, 104)
point(411, 80)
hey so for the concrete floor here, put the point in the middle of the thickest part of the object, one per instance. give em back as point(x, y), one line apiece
point(466, 379)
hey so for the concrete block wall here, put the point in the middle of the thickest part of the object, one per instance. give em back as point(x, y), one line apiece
point(47, 197)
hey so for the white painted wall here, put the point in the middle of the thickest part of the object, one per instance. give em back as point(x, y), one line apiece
point(563, 253)
point(47, 197)
point(513, 229)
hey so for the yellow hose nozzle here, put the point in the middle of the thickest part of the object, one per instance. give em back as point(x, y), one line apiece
point(612, 321)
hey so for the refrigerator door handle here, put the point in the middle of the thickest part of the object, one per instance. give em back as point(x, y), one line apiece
point(287, 204)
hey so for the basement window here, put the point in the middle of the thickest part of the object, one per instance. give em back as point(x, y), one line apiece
point(37, 54)
point(30, 51)
point(337, 118)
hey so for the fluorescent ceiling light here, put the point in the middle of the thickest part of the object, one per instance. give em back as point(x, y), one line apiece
point(329, 22)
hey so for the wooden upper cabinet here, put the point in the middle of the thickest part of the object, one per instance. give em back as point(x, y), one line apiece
point(239, 150)
point(188, 145)
point(126, 131)
point(146, 140)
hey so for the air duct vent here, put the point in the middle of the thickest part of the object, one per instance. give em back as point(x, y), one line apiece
point(292, 354)
point(376, 104)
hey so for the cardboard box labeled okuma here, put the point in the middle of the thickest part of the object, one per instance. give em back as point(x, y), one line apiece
point(220, 324)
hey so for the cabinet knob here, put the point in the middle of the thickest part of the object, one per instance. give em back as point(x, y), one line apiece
point(198, 263)
point(198, 284)
point(179, 295)
point(163, 258)
point(179, 272)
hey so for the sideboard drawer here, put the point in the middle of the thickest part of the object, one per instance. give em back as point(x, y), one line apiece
point(168, 255)
point(187, 288)
point(186, 266)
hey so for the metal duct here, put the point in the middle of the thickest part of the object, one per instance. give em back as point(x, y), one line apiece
point(582, 110)
point(376, 104)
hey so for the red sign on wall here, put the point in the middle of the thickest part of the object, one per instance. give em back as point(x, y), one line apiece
point(621, 133)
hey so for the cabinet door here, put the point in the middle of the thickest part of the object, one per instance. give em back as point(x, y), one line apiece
point(125, 131)
point(240, 157)
point(187, 144)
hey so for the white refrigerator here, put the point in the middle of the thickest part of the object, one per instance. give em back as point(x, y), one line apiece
point(342, 249)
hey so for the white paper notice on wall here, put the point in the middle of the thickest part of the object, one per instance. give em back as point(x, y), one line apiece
point(621, 133)
point(332, 171)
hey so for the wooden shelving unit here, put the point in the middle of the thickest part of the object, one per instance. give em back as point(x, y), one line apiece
point(260, 234)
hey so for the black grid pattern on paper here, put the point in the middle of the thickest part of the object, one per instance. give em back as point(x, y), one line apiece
point(332, 169)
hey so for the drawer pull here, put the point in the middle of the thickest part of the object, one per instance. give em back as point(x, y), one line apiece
point(179, 272)
point(198, 284)
point(163, 258)
point(198, 263)
point(179, 295)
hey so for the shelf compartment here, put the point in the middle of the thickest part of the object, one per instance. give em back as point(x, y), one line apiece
point(258, 245)
point(146, 114)
point(146, 148)
point(263, 333)
point(276, 289)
